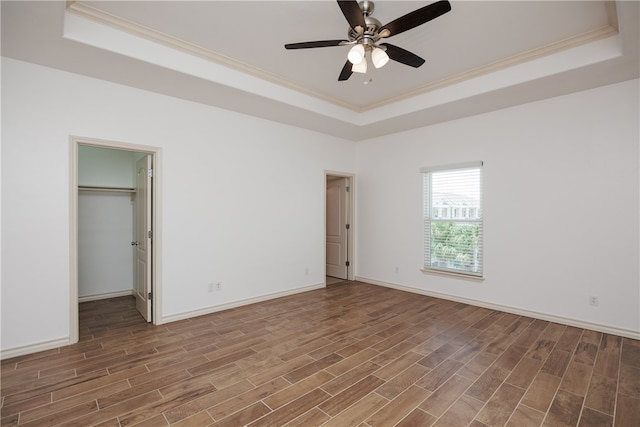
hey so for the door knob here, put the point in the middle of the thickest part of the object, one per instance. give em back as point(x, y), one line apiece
point(134, 243)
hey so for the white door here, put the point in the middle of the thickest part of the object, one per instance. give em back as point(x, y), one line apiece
point(337, 211)
point(143, 238)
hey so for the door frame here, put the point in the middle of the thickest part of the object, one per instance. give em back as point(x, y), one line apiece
point(351, 250)
point(156, 220)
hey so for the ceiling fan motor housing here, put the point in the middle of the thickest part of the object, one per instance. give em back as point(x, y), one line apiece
point(370, 34)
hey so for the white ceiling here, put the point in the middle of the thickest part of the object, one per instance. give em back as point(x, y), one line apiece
point(481, 56)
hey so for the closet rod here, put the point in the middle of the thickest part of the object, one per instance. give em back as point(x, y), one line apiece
point(112, 189)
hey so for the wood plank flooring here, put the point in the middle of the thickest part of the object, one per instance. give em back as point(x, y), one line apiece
point(352, 354)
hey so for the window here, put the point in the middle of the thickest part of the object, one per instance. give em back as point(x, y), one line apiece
point(453, 243)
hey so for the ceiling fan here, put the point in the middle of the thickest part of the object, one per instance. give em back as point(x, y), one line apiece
point(365, 33)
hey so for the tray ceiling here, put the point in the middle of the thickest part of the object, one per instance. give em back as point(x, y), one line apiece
point(481, 56)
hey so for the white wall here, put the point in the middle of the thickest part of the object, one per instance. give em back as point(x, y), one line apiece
point(561, 206)
point(243, 198)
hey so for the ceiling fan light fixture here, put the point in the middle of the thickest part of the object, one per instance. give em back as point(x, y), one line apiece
point(356, 54)
point(361, 67)
point(379, 57)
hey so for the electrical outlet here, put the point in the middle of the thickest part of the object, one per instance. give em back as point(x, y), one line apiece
point(219, 286)
point(594, 300)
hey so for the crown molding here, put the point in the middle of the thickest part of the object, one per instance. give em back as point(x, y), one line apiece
point(94, 14)
point(87, 11)
point(526, 56)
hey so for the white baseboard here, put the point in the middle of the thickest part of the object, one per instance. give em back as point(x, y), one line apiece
point(48, 345)
point(513, 310)
point(222, 307)
point(105, 296)
point(33, 348)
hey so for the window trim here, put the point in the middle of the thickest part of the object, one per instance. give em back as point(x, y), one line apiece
point(450, 273)
point(446, 271)
point(466, 165)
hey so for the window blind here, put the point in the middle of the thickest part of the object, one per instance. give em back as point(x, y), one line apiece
point(453, 218)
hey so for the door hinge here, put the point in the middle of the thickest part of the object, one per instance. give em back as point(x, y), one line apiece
point(150, 173)
point(348, 226)
point(150, 295)
point(347, 263)
point(150, 234)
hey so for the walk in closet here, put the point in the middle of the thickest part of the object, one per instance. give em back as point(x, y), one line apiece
point(106, 225)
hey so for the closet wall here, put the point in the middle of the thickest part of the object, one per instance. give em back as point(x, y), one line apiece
point(106, 181)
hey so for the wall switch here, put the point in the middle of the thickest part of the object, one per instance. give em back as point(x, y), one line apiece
point(211, 287)
point(594, 301)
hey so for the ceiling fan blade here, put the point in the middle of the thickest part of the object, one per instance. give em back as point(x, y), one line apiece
point(319, 43)
point(346, 72)
point(403, 56)
point(415, 18)
point(351, 11)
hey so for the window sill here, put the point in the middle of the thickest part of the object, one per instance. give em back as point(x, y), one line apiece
point(446, 273)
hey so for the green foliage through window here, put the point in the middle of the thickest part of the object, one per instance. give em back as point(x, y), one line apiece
point(455, 245)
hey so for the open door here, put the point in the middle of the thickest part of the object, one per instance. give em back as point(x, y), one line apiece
point(143, 237)
point(337, 227)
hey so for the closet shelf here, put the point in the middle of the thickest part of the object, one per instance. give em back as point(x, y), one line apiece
point(111, 189)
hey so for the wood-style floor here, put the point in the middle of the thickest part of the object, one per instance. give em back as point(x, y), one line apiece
point(348, 355)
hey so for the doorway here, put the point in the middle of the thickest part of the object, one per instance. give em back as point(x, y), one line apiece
point(338, 227)
point(141, 186)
